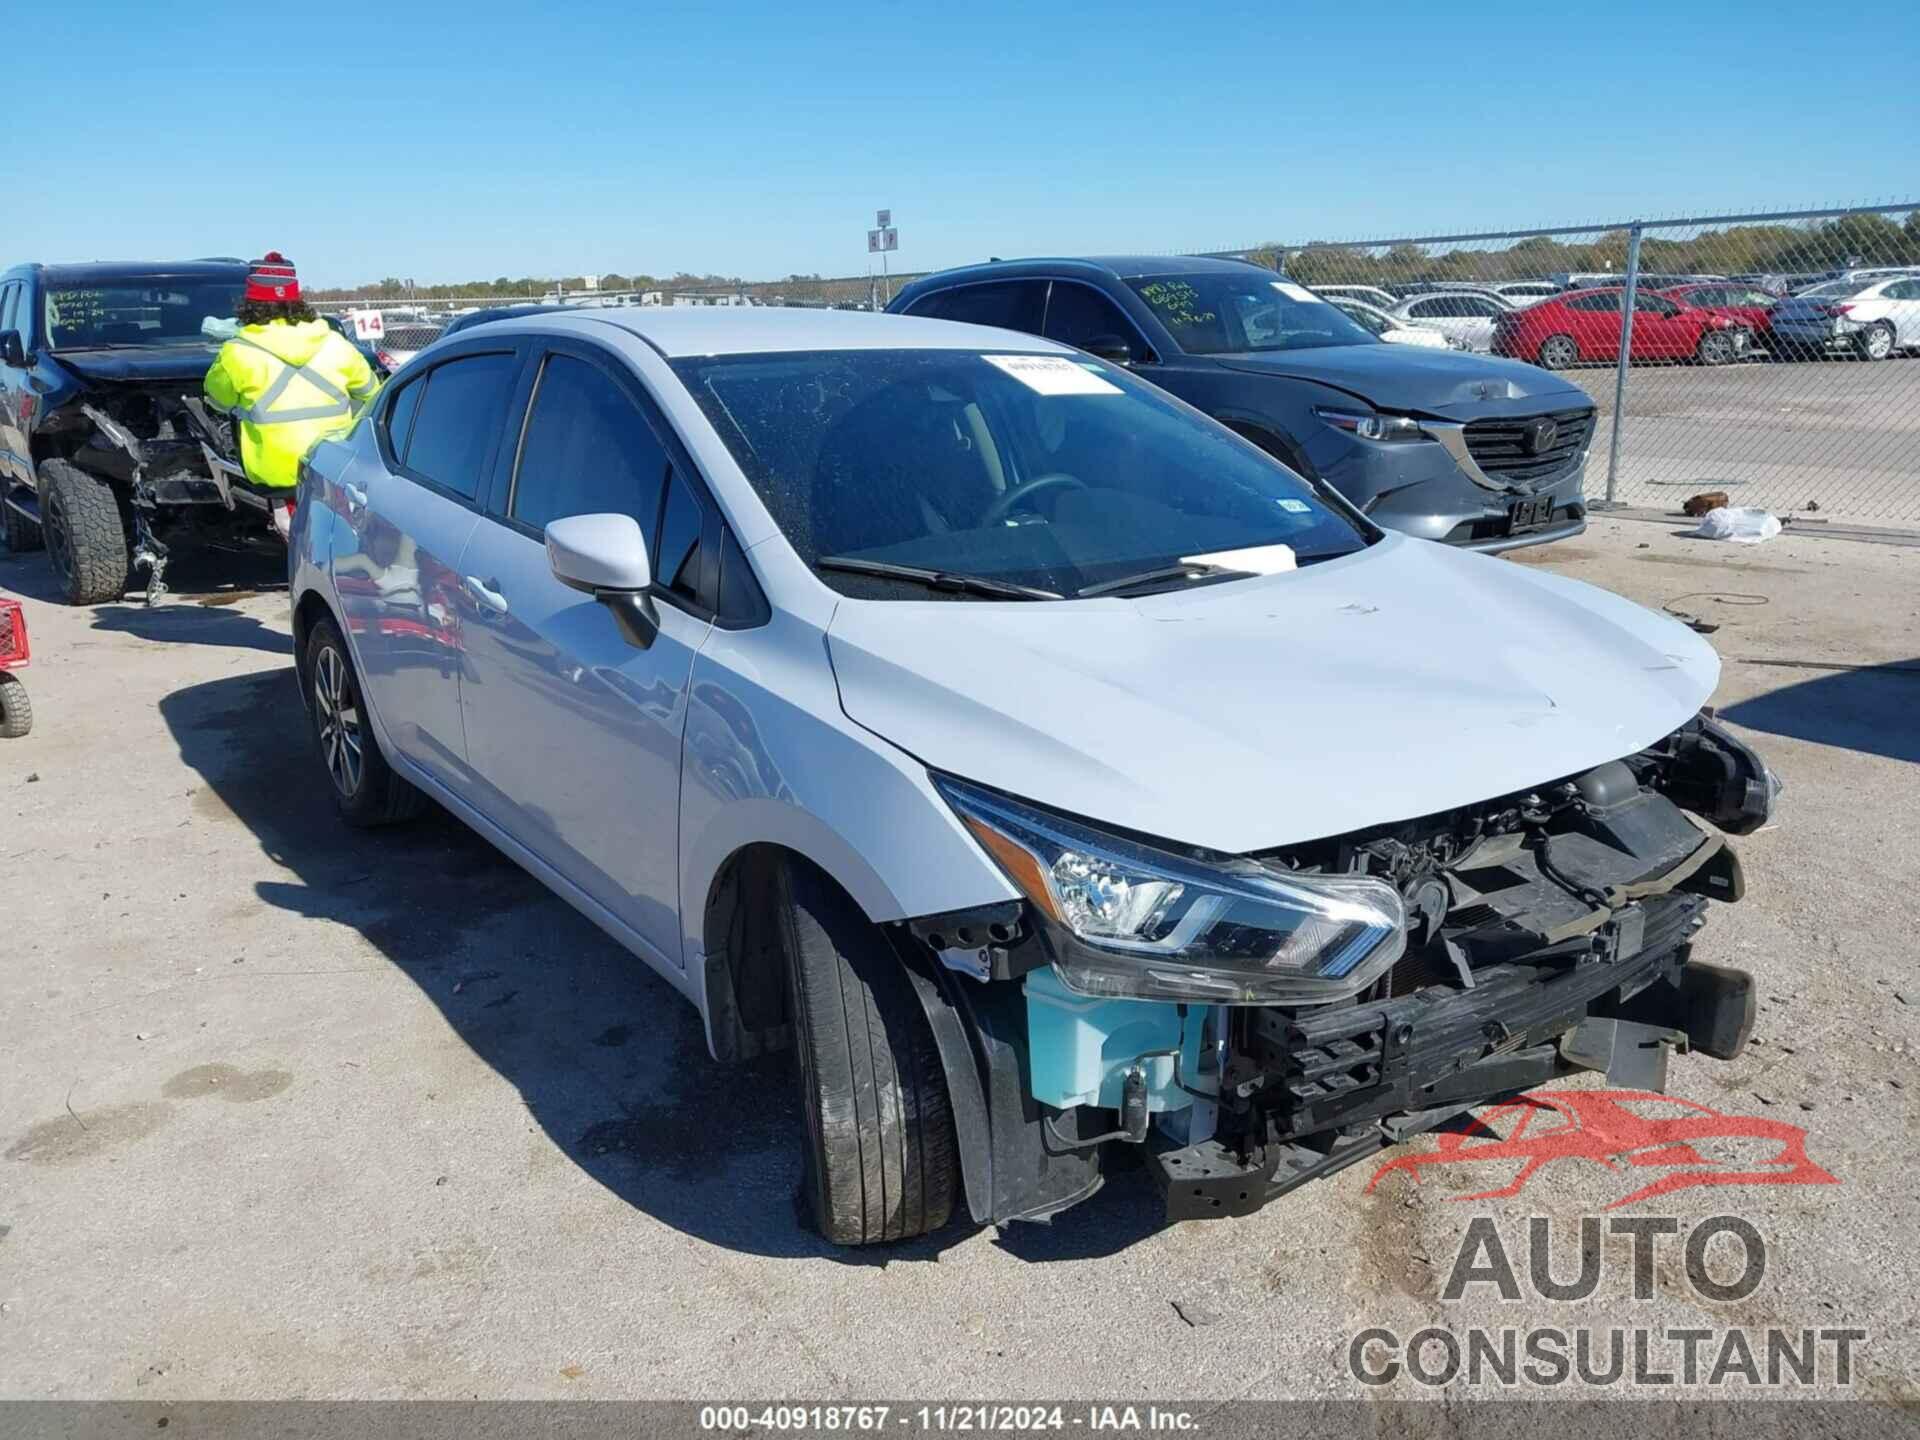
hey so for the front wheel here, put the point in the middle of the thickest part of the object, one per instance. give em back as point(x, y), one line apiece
point(366, 792)
point(1557, 352)
point(1715, 348)
point(879, 1157)
point(1875, 342)
point(88, 533)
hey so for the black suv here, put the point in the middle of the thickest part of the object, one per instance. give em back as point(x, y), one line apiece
point(1483, 453)
point(106, 448)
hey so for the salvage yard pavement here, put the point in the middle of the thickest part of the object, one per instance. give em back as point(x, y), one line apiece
point(287, 1109)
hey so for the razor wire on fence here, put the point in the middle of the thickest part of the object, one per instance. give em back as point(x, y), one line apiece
point(1774, 358)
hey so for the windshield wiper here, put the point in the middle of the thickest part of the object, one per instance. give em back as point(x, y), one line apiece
point(1155, 577)
point(936, 579)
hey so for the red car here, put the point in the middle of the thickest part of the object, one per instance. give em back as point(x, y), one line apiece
point(1748, 306)
point(1585, 325)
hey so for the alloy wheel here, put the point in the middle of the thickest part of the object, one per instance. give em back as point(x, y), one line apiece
point(1558, 352)
point(337, 716)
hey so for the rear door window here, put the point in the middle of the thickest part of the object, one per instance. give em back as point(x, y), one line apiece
point(1009, 304)
point(588, 451)
point(400, 412)
point(457, 419)
point(1600, 303)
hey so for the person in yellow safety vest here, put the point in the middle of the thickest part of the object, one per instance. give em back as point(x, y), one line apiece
point(288, 378)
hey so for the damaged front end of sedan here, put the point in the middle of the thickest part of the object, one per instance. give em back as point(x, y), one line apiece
point(1251, 1023)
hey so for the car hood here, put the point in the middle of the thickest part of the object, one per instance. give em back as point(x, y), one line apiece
point(1447, 383)
point(1395, 683)
point(147, 363)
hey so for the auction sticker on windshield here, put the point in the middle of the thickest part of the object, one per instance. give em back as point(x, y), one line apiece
point(1296, 292)
point(1052, 375)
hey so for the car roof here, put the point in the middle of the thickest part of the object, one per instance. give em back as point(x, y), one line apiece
point(1121, 267)
point(676, 331)
point(106, 272)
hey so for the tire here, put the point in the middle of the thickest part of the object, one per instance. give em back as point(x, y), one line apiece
point(16, 710)
point(1557, 352)
point(20, 533)
point(88, 537)
point(366, 792)
point(1876, 342)
point(880, 1160)
point(1715, 348)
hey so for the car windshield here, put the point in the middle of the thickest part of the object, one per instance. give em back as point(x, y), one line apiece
point(155, 311)
point(1054, 473)
point(1233, 312)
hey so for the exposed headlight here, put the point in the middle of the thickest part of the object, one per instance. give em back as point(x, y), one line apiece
point(1131, 919)
point(1372, 427)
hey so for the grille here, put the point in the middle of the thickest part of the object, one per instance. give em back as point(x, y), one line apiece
point(1499, 447)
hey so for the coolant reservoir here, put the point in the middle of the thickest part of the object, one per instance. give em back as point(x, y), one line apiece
point(1081, 1047)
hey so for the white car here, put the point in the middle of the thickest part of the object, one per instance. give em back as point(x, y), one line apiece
point(1465, 316)
point(1365, 294)
point(1872, 318)
point(1523, 292)
point(1394, 331)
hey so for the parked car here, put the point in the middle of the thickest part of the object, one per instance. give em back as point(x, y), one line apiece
point(1517, 292)
point(905, 693)
point(1365, 294)
point(467, 319)
point(1524, 292)
point(1465, 316)
point(1445, 446)
point(1748, 306)
point(1870, 318)
point(343, 327)
point(1391, 328)
point(1585, 324)
point(103, 427)
point(1645, 280)
point(401, 343)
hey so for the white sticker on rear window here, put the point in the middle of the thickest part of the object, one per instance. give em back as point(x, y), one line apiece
point(1296, 292)
point(1052, 375)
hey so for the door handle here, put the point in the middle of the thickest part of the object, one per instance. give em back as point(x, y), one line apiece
point(486, 594)
point(356, 498)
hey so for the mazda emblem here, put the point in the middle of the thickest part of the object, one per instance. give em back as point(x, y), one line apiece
point(1540, 436)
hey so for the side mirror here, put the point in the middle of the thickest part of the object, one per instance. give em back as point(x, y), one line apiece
point(12, 351)
point(1110, 348)
point(605, 556)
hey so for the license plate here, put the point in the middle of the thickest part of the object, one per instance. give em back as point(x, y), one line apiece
point(1531, 513)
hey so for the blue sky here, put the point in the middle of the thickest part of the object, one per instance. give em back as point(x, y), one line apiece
point(444, 142)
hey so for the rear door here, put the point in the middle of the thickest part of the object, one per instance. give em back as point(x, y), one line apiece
point(574, 732)
point(410, 509)
point(1596, 319)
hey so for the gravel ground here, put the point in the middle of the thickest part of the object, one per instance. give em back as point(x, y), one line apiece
point(290, 1111)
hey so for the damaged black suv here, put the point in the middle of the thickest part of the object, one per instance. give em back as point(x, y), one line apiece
point(108, 456)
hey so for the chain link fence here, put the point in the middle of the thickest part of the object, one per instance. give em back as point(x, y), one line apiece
point(1771, 357)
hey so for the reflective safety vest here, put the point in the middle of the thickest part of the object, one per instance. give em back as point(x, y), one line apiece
point(290, 386)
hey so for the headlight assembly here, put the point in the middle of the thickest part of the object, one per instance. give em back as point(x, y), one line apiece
point(1372, 427)
point(1129, 919)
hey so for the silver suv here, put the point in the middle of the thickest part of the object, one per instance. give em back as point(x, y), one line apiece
point(1049, 768)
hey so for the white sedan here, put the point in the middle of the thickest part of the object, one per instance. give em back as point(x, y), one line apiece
point(1394, 331)
point(1465, 316)
point(1872, 318)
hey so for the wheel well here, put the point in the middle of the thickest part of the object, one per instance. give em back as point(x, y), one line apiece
point(308, 613)
point(746, 986)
